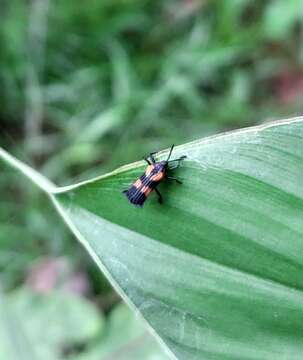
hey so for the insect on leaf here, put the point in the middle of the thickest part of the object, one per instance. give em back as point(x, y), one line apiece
point(217, 269)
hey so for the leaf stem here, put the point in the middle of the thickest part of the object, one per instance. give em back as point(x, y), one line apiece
point(42, 182)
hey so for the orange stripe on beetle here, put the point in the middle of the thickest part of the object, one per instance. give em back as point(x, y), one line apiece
point(146, 190)
point(158, 177)
point(138, 184)
point(149, 169)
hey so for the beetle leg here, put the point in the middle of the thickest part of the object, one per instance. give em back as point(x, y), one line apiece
point(174, 179)
point(151, 156)
point(160, 198)
point(146, 159)
point(178, 160)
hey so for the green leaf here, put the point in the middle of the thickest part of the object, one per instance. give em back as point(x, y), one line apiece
point(35, 326)
point(217, 269)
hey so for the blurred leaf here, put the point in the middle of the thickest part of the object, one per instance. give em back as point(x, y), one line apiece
point(125, 338)
point(216, 270)
point(280, 17)
point(35, 326)
point(103, 123)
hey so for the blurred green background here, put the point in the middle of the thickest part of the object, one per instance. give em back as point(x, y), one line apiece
point(86, 86)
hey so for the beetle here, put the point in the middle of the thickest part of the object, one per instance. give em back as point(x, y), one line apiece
point(154, 174)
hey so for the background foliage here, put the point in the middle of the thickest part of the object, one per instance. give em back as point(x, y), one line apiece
point(97, 84)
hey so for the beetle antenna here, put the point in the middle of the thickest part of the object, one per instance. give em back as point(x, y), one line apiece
point(171, 150)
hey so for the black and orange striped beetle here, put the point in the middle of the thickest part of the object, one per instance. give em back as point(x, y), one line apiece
point(154, 174)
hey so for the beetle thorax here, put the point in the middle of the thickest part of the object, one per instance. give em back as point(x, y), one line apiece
point(158, 167)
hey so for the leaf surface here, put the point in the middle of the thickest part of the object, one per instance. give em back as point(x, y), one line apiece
point(217, 269)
